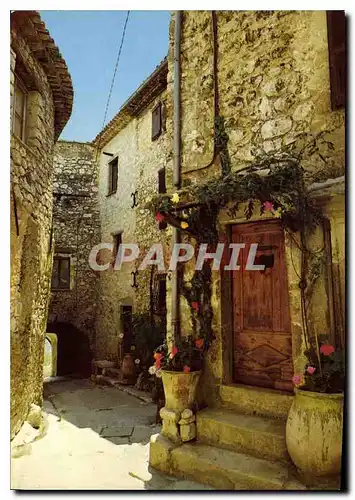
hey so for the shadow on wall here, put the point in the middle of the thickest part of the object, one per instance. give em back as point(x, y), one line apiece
point(74, 355)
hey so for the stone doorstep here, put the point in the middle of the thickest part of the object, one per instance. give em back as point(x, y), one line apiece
point(220, 468)
point(258, 436)
point(104, 364)
point(256, 400)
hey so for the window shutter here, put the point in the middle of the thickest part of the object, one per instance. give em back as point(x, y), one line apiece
point(156, 121)
point(336, 23)
point(114, 176)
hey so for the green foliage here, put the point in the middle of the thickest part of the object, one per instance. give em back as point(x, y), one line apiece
point(329, 373)
point(187, 355)
point(147, 335)
point(277, 178)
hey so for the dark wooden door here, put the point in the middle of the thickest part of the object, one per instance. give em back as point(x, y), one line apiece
point(127, 328)
point(262, 335)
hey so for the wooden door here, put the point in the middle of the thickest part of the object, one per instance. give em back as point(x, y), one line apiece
point(262, 335)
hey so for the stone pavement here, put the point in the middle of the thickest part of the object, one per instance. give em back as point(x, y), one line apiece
point(97, 438)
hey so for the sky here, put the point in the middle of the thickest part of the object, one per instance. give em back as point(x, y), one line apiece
point(89, 43)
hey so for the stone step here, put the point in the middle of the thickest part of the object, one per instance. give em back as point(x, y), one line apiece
point(258, 436)
point(256, 400)
point(228, 470)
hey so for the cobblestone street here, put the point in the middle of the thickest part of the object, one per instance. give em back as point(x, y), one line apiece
point(97, 438)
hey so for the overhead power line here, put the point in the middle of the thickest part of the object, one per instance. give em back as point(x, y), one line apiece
point(115, 71)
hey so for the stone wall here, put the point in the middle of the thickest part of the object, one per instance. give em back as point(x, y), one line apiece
point(272, 84)
point(76, 228)
point(139, 160)
point(31, 222)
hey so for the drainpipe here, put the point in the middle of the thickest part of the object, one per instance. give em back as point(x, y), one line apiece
point(175, 298)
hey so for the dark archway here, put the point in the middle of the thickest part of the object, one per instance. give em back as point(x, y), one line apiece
point(74, 355)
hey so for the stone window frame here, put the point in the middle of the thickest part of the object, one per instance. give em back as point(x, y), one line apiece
point(18, 84)
point(111, 188)
point(69, 257)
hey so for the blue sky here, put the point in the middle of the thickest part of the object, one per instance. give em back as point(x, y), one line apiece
point(89, 42)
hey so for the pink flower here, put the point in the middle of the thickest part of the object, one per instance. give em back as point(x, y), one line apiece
point(268, 205)
point(157, 363)
point(173, 353)
point(195, 305)
point(327, 349)
point(186, 369)
point(310, 370)
point(159, 217)
point(297, 379)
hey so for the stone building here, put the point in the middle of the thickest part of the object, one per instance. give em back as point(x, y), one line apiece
point(133, 153)
point(76, 229)
point(264, 82)
point(41, 104)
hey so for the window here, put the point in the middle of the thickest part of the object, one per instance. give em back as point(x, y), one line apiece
point(112, 176)
point(336, 23)
point(117, 241)
point(161, 181)
point(162, 295)
point(127, 327)
point(157, 121)
point(61, 273)
point(19, 110)
point(162, 189)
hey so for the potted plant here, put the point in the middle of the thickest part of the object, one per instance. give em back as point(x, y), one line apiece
point(315, 420)
point(180, 369)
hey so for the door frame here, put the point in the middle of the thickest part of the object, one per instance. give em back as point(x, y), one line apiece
point(226, 304)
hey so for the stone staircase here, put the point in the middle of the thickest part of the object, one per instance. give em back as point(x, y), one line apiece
point(240, 444)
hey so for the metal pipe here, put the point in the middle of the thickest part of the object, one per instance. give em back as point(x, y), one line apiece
point(177, 129)
point(175, 298)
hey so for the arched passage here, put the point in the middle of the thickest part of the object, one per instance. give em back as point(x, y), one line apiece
point(74, 356)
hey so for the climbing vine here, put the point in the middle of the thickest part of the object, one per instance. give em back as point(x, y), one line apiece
point(273, 184)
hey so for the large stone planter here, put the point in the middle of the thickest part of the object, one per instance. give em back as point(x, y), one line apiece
point(180, 389)
point(314, 433)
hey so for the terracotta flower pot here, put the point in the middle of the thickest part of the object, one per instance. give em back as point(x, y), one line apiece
point(180, 389)
point(128, 368)
point(314, 433)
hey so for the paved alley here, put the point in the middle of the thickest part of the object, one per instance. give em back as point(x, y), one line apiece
point(97, 438)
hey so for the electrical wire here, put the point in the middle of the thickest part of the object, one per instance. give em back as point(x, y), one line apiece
point(114, 76)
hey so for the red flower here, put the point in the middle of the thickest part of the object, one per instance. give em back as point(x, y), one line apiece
point(158, 355)
point(268, 205)
point(159, 217)
point(199, 343)
point(157, 363)
point(327, 349)
point(187, 369)
point(195, 305)
point(174, 351)
point(310, 370)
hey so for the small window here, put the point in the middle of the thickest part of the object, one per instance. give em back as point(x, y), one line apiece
point(161, 181)
point(61, 273)
point(336, 24)
point(162, 189)
point(162, 295)
point(117, 241)
point(157, 121)
point(19, 110)
point(112, 176)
